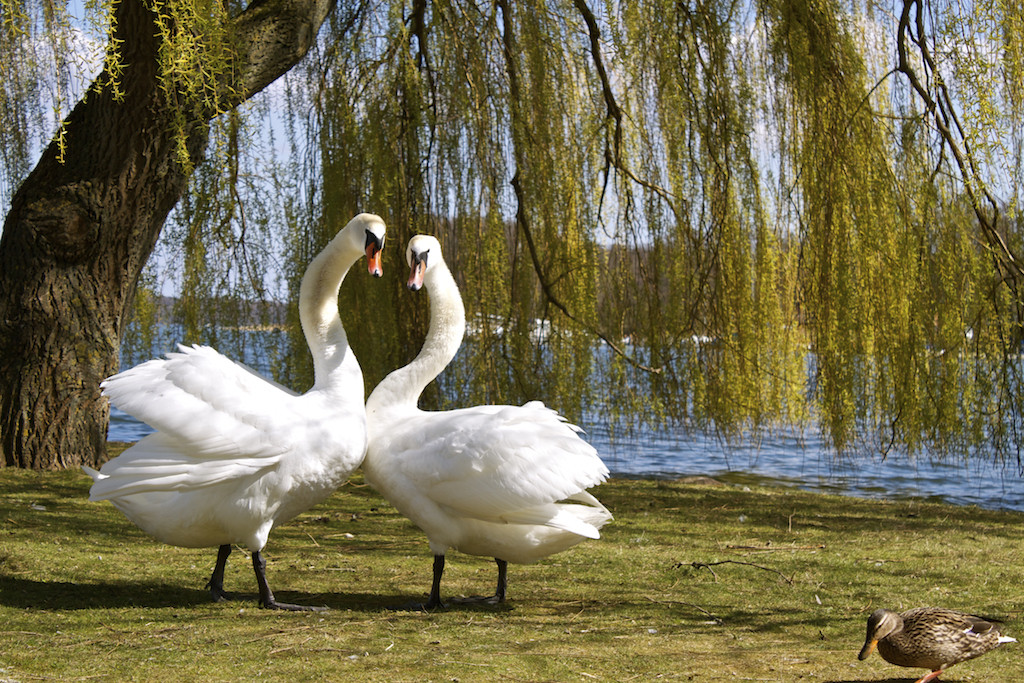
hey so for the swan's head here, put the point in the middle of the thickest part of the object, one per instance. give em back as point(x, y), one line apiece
point(422, 253)
point(881, 623)
point(373, 229)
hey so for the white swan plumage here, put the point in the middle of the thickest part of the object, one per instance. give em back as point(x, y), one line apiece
point(235, 454)
point(500, 481)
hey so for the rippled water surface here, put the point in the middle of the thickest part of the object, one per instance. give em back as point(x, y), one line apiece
point(808, 464)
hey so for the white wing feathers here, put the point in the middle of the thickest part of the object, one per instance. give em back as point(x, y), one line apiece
point(216, 419)
point(220, 408)
point(156, 463)
point(497, 463)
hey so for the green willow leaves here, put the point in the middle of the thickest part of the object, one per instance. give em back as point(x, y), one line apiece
point(726, 216)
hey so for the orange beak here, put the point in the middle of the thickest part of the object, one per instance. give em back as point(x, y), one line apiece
point(415, 282)
point(374, 247)
point(373, 260)
point(868, 648)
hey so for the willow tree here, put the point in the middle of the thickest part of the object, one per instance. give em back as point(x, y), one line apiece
point(732, 216)
point(727, 216)
point(82, 224)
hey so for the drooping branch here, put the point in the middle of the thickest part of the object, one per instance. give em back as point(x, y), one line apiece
point(613, 152)
point(546, 287)
point(521, 218)
point(942, 112)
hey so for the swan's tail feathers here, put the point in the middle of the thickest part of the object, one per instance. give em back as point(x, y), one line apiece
point(569, 520)
point(100, 482)
point(1006, 639)
point(583, 520)
point(588, 499)
point(591, 512)
point(96, 475)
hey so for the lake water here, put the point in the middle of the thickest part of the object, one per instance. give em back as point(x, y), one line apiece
point(802, 461)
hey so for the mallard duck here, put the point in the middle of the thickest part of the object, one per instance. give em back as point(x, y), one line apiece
point(931, 637)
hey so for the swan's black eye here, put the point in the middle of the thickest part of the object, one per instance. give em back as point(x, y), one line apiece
point(421, 257)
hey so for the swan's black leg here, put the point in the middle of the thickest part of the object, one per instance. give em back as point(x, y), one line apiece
point(434, 601)
point(267, 600)
point(499, 593)
point(216, 582)
point(435, 586)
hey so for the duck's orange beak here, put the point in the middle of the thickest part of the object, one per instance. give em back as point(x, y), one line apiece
point(868, 648)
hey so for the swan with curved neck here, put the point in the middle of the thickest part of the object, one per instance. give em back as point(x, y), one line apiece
point(235, 454)
point(507, 482)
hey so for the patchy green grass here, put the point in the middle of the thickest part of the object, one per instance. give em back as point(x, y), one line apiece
point(690, 582)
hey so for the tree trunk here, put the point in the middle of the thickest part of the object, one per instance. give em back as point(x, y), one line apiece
point(80, 230)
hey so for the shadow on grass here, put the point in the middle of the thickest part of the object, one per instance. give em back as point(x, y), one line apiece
point(65, 595)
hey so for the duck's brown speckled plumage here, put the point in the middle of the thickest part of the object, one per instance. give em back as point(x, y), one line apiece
point(931, 638)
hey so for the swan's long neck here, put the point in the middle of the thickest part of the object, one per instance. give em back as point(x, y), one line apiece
point(334, 364)
point(444, 337)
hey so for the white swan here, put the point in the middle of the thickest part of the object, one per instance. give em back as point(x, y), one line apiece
point(236, 454)
point(507, 482)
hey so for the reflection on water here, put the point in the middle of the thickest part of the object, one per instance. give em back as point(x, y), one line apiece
point(783, 460)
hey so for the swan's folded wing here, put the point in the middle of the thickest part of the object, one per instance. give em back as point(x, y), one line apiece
point(490, 461)
point(215, 407)
point(158, 464)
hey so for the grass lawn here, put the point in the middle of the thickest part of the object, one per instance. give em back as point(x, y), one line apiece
point(690, 582)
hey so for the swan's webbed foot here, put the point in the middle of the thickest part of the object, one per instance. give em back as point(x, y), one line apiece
point(428, 606)
point(499, 593)
point(289, 607)
point(267, 600)
point(434, 601)
point(480, 600)
point(217, 593)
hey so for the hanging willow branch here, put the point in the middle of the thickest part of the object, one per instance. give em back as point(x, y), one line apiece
point(613, 153)
point(943, 113)
point(521, 218)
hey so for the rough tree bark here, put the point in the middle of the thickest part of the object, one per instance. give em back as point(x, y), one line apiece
point(80, 230)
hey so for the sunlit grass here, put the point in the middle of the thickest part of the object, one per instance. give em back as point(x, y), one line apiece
point(690, 582)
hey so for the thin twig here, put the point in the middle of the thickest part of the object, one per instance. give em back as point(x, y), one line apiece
point(709, 565)
point(700, 609)
point(772, 549)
